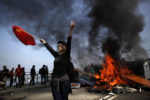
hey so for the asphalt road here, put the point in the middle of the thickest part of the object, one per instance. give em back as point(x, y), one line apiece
point(78, 94)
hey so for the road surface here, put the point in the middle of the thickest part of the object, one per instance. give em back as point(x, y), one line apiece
point(78, 94)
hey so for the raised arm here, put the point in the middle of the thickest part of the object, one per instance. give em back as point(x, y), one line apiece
point(50, 49)
point(72, 25)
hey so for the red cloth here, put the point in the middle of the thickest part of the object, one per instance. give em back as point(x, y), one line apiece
point(11, 73)
point(23, 36)
point(18, 72)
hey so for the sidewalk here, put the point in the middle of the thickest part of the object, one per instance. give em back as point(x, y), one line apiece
point(25, 88)
point(46, 94)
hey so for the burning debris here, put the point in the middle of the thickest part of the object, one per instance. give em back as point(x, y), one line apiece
point(110, 77)
point(115, 75)
point(123, 89)
point(111, 73)
point(113, 67)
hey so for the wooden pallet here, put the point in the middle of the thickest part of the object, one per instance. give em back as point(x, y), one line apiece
point(137, 79)
point(132, 77)
point(83, 72)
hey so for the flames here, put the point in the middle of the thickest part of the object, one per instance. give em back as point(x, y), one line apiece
point(112, 72)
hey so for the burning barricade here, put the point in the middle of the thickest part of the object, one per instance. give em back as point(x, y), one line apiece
point(112, 73)
point(110, 77)
point(115, 77)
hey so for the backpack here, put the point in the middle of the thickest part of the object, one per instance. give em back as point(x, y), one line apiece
point(70, 71)
point(40, 71)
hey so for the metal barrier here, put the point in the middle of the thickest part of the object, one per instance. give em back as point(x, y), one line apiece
point(28, 78)
point(37, 77)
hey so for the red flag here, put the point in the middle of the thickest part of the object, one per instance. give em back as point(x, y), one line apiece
point(23, 36)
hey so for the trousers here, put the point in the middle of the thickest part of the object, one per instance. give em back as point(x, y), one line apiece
point(64, 90)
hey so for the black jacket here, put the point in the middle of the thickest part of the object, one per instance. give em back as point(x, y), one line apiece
point(32, 72)
point(62, 63)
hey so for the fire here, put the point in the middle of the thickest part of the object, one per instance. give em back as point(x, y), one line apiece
point(111, 73)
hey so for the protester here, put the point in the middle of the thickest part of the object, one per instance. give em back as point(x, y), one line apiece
point(18, 76)
point(1, 77)
point(5, 71)
point(22, 75)
point(60, 84)
point(41, 72)
point(46, 72)
point(11, 74)
point(32, 73)
point(4, 76)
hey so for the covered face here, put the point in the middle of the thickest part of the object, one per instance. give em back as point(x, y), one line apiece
point(61, 47)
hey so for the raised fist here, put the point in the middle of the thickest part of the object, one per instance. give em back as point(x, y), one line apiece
point(72, 24)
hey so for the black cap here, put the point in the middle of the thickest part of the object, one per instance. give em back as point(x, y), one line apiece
point(62, 42)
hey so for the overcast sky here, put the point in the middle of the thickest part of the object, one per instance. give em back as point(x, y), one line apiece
point(13, 52)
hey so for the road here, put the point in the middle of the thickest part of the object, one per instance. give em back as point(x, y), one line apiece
point(78, 94)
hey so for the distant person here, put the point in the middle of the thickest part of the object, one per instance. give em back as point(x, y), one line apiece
point(5, 75)
point(32, 74)
point(41, 72)
point(5, 71)
point(22, 75)
point(46, 73)
point(11, 74)
point(1, 75)
point(18, 75)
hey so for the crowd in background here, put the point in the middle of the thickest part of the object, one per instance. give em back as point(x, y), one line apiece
point(18, 75)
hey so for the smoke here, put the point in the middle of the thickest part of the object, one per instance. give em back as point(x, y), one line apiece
point(50, 19)
point(122, 18)
point(43, 18)
point(111, 47)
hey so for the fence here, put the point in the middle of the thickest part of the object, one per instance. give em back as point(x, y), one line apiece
point(28, 78)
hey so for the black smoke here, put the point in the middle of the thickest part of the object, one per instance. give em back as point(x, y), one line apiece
point(42, 18)
point(111, 47)
point(122, 18)
point(50, 19)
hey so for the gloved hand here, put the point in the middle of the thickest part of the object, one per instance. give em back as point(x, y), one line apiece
point(42, 41)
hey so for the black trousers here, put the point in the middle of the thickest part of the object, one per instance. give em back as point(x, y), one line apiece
point(18, 81)
point(22, 80)
point(64, 91)
point(32, 80)
point(11, 81)
point(43, 79)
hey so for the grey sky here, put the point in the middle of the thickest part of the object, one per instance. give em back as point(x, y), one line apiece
point(13, 52)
